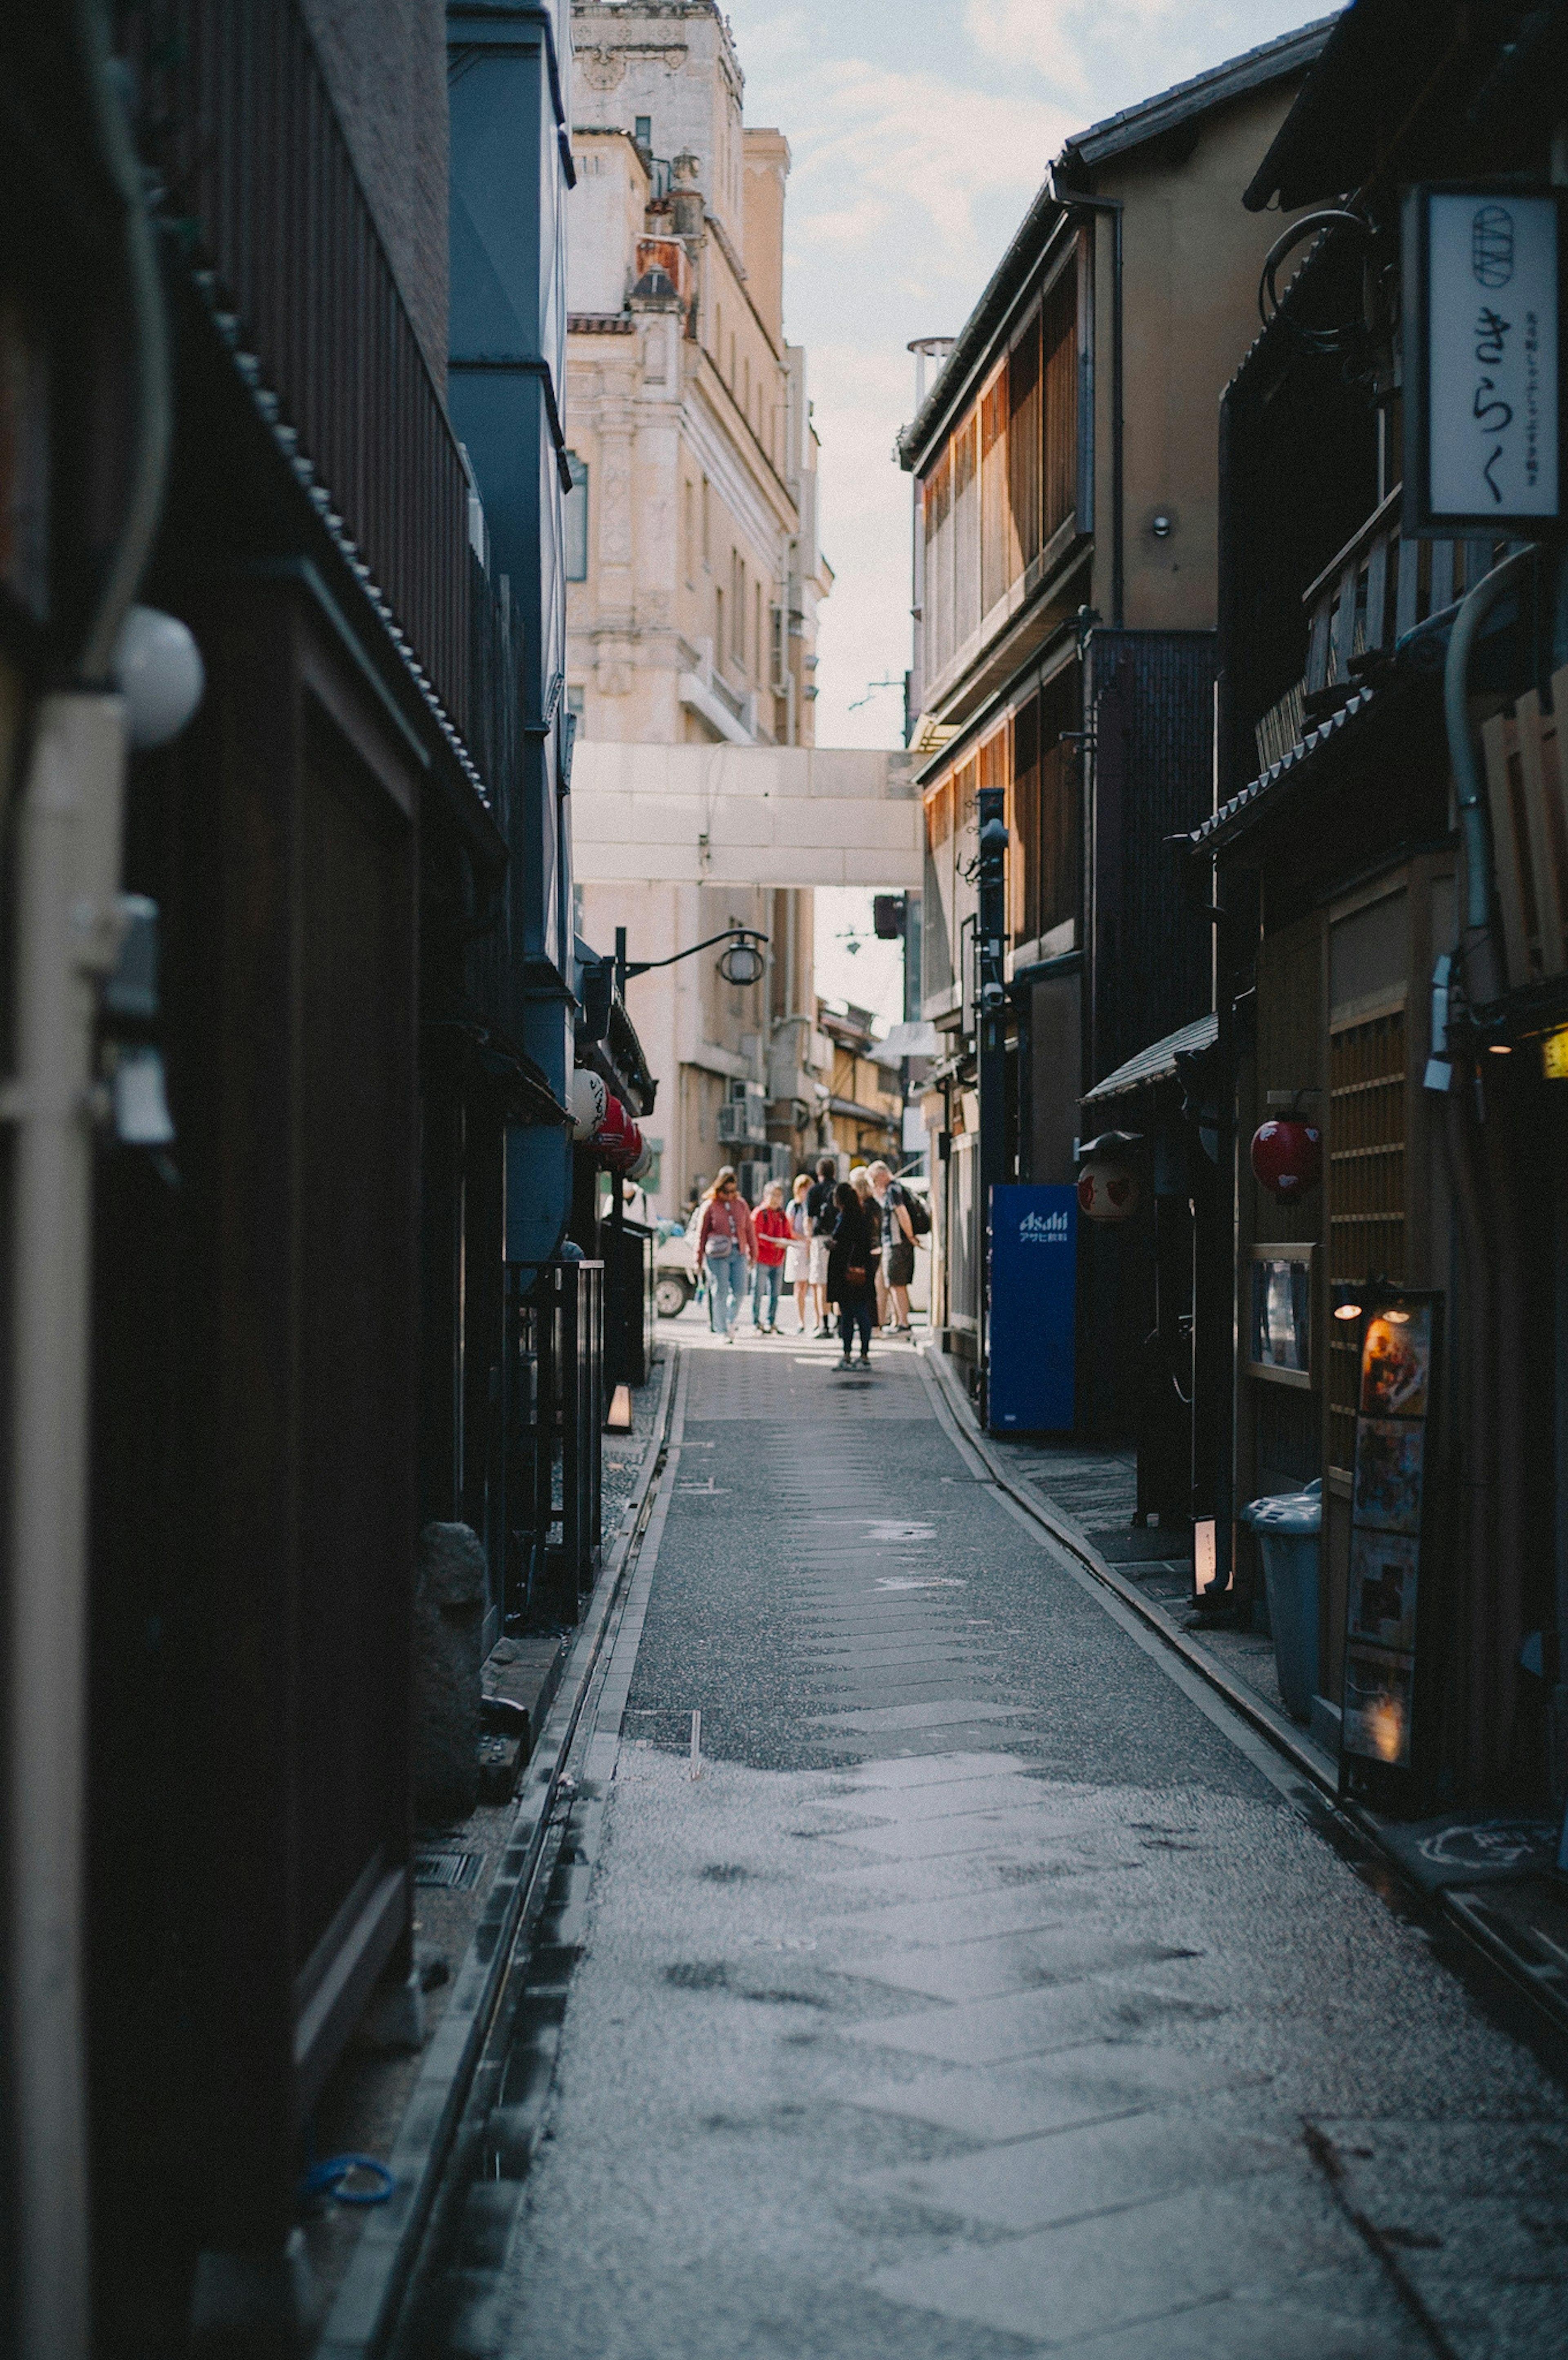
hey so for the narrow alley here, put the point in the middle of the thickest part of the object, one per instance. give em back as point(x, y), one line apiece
point(987, 1986)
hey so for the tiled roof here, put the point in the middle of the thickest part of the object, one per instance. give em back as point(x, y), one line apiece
point(1157, 1063)
point(1151, 116)
point(1220, 822)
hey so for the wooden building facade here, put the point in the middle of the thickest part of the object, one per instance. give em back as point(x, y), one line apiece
point(317, 1248)
point(1065, 655)
point(1387, 965)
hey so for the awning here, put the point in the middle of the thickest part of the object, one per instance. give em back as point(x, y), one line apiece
point(909, 1040)
point(1157, 1063)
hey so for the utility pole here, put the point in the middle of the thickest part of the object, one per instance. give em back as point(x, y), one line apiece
point(990, 1023)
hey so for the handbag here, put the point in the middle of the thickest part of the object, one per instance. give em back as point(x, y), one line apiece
point(855, 1272)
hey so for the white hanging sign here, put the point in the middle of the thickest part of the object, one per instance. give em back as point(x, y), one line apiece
point(1483, 366)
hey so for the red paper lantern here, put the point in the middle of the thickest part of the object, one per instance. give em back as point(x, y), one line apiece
point(1107, 1191)
point(1287, 1157)
point(617, 1142)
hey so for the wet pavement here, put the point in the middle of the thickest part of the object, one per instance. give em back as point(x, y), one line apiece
point(993, 1989)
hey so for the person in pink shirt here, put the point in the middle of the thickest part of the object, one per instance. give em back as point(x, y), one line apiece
point(774, 1233)
point(726, 1248)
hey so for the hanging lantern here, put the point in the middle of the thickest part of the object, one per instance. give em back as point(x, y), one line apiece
point(640, 1169)
point(1107, 1185)
point(1107, 1192)
point(1287, 1157)
point(617, 1142)
point(588, 1100)
point(629, 1151)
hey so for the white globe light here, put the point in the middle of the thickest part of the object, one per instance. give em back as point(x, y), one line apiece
point(588, 1100)
point(159, 671)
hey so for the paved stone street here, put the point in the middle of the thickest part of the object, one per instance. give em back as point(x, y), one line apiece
point(992, 1990)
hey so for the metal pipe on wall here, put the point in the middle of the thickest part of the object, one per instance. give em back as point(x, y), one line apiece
point(1111, 207)
point(68, 924)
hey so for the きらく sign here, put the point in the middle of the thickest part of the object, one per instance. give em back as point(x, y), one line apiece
point(1481, 285)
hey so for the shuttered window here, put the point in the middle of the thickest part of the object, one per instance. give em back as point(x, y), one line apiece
point(1023, 449)
point(1059, 345)
point(1023, 826)
point(965, 531)
point(995, 571)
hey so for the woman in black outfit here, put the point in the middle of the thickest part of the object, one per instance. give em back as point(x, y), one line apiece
point(852, 1264)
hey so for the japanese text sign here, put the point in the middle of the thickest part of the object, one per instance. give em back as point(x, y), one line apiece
point(1482, 361)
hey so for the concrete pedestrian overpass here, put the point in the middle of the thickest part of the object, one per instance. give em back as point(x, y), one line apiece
point(762, 815)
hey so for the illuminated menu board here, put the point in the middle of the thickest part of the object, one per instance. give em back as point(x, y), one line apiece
point(1399, 1357)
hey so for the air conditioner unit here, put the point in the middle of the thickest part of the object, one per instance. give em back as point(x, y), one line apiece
point(743, 1115)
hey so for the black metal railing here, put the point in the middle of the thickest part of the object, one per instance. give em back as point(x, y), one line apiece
point(555, 1319)
point(237, 120)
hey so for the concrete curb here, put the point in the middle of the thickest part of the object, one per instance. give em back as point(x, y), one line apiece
point(1456, 1905)
point(365, 2311)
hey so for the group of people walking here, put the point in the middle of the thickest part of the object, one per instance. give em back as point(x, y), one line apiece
point(847, 1245)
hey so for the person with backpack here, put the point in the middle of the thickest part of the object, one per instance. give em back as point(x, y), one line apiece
point(726, 1247)
point(852, 1262)
point(902, 1222)
point(819, 1213)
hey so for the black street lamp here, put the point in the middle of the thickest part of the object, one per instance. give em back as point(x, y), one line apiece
point(742, 963)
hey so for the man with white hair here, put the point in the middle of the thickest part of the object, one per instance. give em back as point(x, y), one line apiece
point(898, 1264)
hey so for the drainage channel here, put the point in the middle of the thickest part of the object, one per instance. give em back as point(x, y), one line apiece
point(454, 2306)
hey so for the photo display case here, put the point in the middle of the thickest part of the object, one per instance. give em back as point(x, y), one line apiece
point(1279, 1314)
point(1396, 1402)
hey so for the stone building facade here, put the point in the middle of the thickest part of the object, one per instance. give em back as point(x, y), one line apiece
point(694, 567)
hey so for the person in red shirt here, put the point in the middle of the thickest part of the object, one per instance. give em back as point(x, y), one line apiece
point(774, 1233)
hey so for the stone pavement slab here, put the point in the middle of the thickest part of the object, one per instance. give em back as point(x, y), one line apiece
point(1052, 2027)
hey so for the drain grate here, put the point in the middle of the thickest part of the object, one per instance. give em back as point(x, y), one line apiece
point(457, 1871)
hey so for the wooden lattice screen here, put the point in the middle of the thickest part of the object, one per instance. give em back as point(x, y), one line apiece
point(1366, 1189)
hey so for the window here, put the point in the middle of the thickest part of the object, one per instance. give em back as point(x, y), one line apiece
point(643, 132)
point(756, 638)
point(737, 608)
point(718, 627)
point(1059, 348)
point(745, 382)
point(687, 531)
point(706, 519)
point(995, 573)
point(574, 512)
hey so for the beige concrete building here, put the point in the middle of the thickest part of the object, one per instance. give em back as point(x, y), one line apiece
point(694, 567)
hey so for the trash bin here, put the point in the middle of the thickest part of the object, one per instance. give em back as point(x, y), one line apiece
point(1289, 1528)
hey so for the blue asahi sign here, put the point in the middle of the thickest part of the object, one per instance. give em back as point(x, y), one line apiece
point(1482, 276)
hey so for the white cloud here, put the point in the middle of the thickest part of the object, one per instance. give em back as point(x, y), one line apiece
point(864, 628)
point(921, 143)
point(844, 225)
point(1107, 54)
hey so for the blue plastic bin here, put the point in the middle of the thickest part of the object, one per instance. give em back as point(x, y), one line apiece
point(1290, 1536)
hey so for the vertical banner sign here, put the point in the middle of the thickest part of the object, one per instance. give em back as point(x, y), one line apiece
point(1033, 1309)
point(1395, 1407)
point(1482, 276)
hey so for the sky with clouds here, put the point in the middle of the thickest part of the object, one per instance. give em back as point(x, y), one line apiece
point(919, 130)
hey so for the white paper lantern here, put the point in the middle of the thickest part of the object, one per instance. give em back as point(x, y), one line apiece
point(588, 1100)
